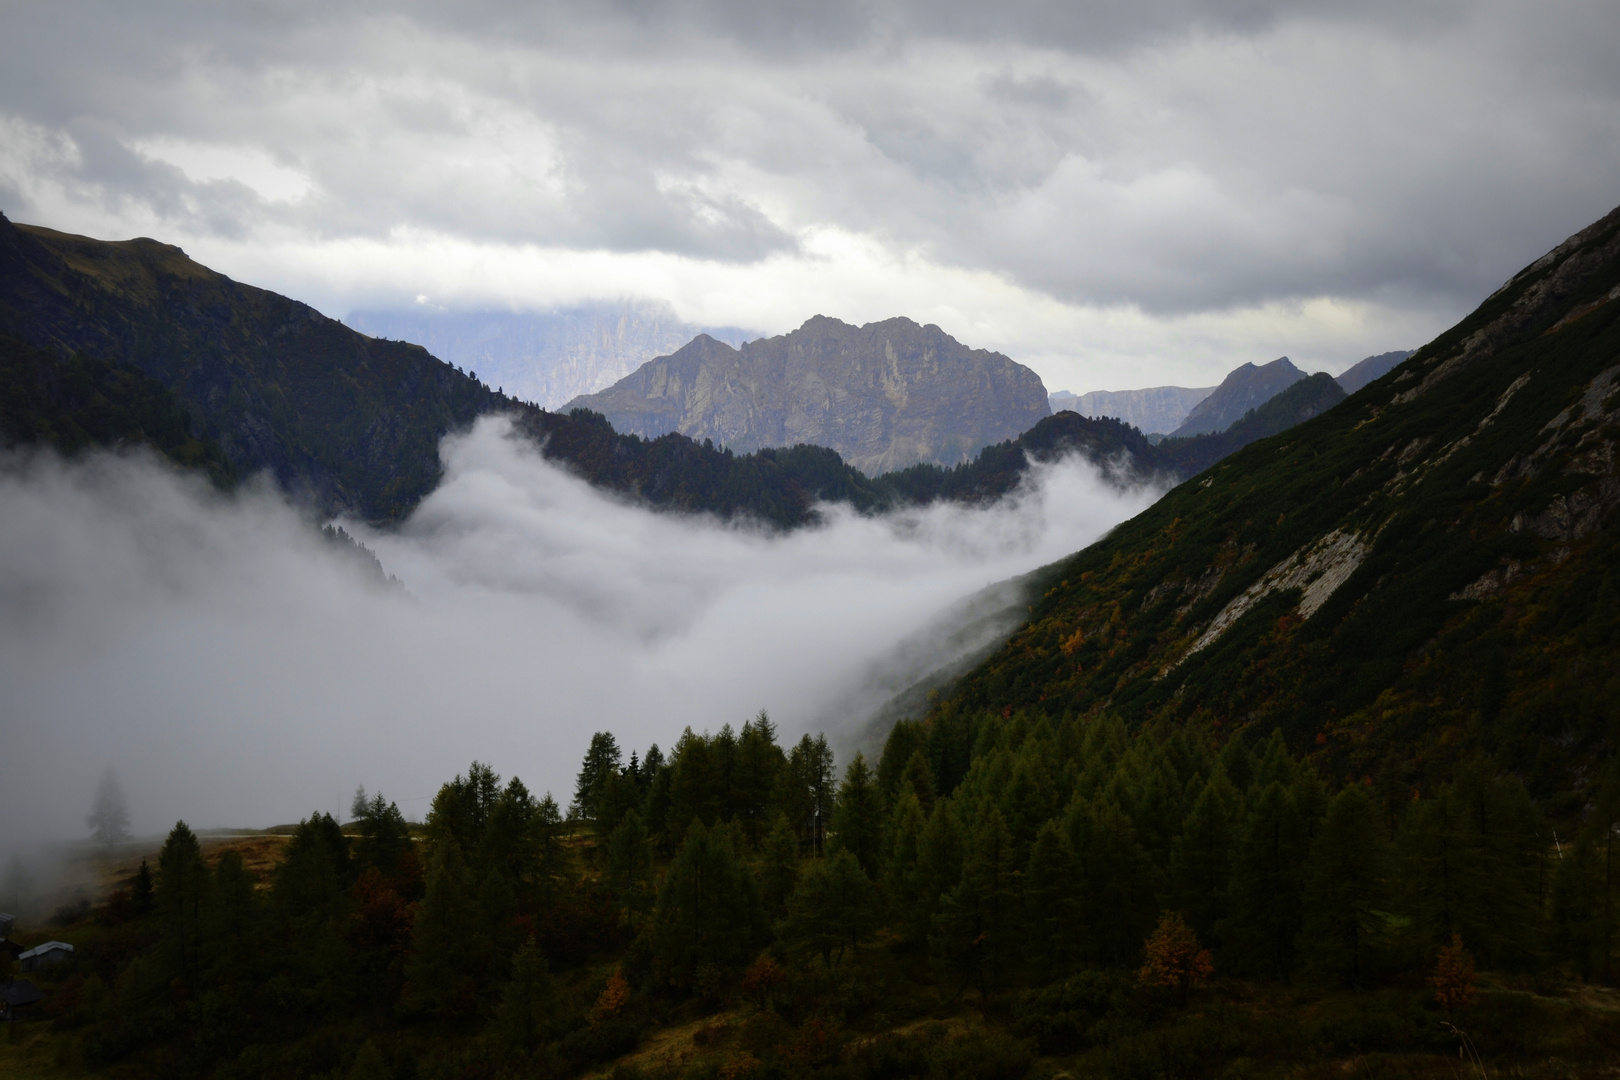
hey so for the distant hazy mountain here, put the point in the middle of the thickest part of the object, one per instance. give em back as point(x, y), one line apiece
point(884, 395)
point(1246, 387)
point(546, 357)
point(1156, 410)
point(1374, 367)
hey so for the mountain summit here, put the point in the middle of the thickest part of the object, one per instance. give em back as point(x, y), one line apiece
point(884, 395)
point(1246, 387)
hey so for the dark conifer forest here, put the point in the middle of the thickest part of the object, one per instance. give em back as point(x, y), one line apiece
point(990, 897)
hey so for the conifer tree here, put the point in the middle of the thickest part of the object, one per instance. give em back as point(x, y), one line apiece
point(530, 1005)
point(1274, 765)
point(760, 762)
point(1345, 889)
point(906, 739)
point(920, 778)
point(939, 856)
point(976, 932)
point(182, 885)
point(628, 860)
point(857, 820)
point(1264, 898)
point(833, 907)
point(1052, 903)
point(440, 981)
point(109, 817)
point(1118, 894)
point(598, 774)
point(143, 892)
point(903, 873)
point(708, 910)
point(1201, 861)
point(779, 866)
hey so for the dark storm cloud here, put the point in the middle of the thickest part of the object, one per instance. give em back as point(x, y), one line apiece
point(1169, 156)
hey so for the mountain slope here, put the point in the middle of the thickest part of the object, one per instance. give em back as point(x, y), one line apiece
point(1365, 371)
point(1309, 397)
point(1432, 569)
point(884, 395)
point(349, 422)
point(1155, 410)
point(1246, 387)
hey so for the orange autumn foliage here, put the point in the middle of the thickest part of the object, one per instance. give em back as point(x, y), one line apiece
point(1172, 956)
point(611, 999)
point(1454, 976)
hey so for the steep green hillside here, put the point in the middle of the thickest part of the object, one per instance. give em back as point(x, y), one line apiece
point(71, 403)
point(1428, 571)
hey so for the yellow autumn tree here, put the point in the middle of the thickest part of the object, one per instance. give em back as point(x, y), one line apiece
point(1172, 956)
point(1454, 976)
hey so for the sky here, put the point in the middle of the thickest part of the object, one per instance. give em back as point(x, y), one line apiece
point(1119, 193)
point(238, 671)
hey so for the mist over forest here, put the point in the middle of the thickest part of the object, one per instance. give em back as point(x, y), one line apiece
point(238, 670)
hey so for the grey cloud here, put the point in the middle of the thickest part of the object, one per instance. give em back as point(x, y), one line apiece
point(239, 672)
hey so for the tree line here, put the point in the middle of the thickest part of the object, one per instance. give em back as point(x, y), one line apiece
point(999, 855)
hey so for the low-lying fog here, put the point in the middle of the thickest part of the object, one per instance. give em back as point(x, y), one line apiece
point(237, 670)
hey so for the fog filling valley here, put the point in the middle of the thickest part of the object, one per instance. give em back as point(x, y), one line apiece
point(238, 670)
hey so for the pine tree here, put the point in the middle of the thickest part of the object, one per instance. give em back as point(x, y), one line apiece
point(628, 858)
point(833, 907)
point(906, 739)
point(1118, 895)
point(857, 820)
point(708, 910)
point(109, 818)
point(760, 762)
point(439, 980)
point(939, 856)
point(779, 866)
point(1052, 903)
point(530, 1005)
point(597, 775)
point(1345, 889)
point(976, 932)
point(903, 876)
point(143, 891)
point(1201, 861)
point(182, 885)
point(1264, 898)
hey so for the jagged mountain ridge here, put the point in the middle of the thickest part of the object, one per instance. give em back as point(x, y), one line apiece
point(546, 357)
point(884, 395)
point(1247, 386)
point(1429, 570)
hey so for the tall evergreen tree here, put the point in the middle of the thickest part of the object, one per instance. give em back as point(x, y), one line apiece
point(1201, 861)
point(708, 909)
point(833, 907)
point(441, 981)
point(779, 866)
point(976, 932)
point(903, 880)
point(760, 762)
point(1264, 898)
point(182, 886)
point(109, 817)
point(1052, 903)
point(1345, 889)
point(598, 774)
point(857, 820)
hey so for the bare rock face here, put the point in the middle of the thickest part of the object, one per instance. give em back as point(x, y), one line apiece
point(884, 395)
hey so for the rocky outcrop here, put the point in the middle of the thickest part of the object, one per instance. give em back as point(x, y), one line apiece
point(1247, 387)
point(884, 395)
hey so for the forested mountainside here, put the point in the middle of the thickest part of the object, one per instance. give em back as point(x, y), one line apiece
point(1425, 573)
point(73, 403)
point(884, 395)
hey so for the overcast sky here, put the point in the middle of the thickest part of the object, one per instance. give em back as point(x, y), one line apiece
point(1118, 193)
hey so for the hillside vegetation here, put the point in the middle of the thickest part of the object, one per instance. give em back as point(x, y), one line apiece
point(1426, 573)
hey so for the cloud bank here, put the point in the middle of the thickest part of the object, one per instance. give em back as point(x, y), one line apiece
point(239, 671)
point(1120, 194)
